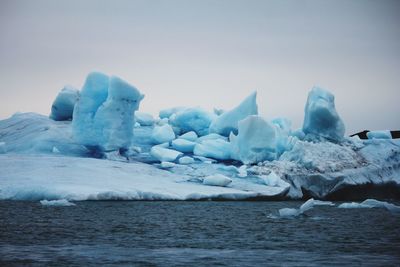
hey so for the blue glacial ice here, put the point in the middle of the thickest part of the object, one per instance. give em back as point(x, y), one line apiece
point(379, 135)
point(192, 119)
point(63, 106)
point(255, 142)
point(104, 115)
point(170, 157)
point(321, 118)
point(228, 121)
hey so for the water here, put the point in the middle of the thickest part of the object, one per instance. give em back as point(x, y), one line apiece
point(101, 233)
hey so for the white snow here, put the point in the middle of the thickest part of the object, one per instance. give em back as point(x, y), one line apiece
point(57, 203)
point(321, 118)
point(255, 142)
point(164, 154)
point(217, 180)
point(63, 106)
point(38, 177)
point(227, 122)
point(162, 134)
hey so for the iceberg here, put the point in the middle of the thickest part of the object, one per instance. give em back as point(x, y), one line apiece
point(321, 118)
point(186, 160)
point(162, 134)
point(103, 116)
point(255, 142)
point(213, 148)
point(371, 203)
point(228, 121)
point(192, 119)
point(63, 106)
point(168, 112)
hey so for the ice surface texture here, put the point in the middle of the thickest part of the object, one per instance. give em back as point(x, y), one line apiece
point(321, 118)
point(192, 119)
point(63, 106)
point(104, 115)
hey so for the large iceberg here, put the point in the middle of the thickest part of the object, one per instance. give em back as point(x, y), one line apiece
point(228, 121)
point(255, 142)
point(104, 115)
point(321, 118)
point(63, 106)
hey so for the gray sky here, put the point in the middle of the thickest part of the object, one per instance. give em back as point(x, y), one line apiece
point(208, 53)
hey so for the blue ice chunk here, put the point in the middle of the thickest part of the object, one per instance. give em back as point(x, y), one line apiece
point(104, 115)
point(227, 122)
point(183, 145)
point(321, 118)
point(255, 142)
point(192, 119)
point(63, 106)
point(213, 148)
point(162, 134)
point(379, 135)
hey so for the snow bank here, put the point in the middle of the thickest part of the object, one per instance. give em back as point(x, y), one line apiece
point(227, 122)
point(321, 118)
point(63, 106)
point(57, 203)
point(255, 142)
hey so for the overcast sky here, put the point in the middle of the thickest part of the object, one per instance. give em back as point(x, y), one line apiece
point(208, 53)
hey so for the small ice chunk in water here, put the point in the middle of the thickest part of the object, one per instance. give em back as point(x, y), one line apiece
point(167, 165)
point(217, 180)
point(371, 203)
point(58, 203)
point(309, 204)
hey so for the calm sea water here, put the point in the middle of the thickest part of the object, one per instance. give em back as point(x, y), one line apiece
point(194, 234)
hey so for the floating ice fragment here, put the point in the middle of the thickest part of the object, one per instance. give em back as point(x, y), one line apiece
point(162, 134)
point(379, 135)
point(144, 119)
point(190, 136)
point(192, 119)
point(57, 203)
point(183, 145)
point(186, 160)
point(371, 203)
point(214, 148)
point(309, 204)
